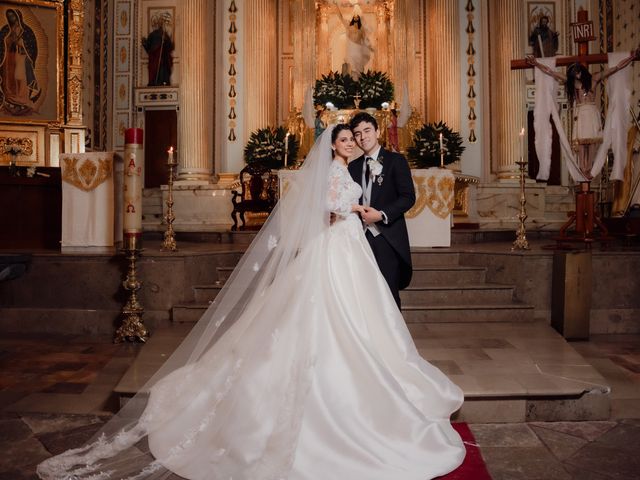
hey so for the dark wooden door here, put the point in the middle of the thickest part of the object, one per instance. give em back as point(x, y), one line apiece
point(556, 157)
point(161, 132)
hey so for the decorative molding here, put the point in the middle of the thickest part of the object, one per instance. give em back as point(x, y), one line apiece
point(471, 72)
point(156, 97)
point(74, 62)
point(232, 52)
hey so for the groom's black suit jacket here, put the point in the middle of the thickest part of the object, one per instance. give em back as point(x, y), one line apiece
point(394, 196)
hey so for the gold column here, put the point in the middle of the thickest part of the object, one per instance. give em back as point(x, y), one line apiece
point(260, 64)
point(324, 62)
point(303, 14)
point(74, 75)
point(399, 45)
point(194, 143)
point(507, 87)
point(382, 50)
point(443, 62)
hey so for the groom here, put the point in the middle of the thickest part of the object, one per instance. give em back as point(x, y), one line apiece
point(387, 194)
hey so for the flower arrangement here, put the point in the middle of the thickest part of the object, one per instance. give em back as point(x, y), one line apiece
point(267, 146)
point(336, 88)
point(375, 88)
point(372, 88)
point(425, 151)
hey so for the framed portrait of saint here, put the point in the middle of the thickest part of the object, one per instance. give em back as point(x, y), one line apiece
point(31, 62)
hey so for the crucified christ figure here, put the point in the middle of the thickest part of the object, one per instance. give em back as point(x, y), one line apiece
point(580, 86)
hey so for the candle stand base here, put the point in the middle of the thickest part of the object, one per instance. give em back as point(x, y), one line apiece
point(585, 221)
point(132, 329)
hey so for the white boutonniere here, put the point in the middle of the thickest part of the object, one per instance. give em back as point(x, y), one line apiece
point(375, 166)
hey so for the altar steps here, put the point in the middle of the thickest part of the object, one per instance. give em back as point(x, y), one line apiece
point(441, 291)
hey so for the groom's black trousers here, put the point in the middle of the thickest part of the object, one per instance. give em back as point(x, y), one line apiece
point(388, 262)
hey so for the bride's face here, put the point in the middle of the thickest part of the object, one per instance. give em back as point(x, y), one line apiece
point(344, 144)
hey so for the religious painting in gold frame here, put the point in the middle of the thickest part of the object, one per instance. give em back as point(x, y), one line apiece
point(535, 11)
point(31, 61)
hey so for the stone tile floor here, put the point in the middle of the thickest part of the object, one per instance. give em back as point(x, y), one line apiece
point(56, 391)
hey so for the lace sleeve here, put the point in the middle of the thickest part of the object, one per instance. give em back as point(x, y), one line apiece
point(337, 200)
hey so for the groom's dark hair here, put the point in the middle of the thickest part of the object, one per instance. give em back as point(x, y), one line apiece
point(363, 117)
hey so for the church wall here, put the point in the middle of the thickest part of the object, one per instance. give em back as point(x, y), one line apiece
point(229, 114)
point(471, 86)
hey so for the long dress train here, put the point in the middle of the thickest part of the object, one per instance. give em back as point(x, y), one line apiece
point(318, 379)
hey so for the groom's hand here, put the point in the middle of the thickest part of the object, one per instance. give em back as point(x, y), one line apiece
point(371, 215)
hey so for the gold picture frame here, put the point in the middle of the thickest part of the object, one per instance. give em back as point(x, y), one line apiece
point(32, 40)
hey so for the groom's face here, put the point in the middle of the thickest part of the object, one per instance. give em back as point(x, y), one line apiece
point(366, 136)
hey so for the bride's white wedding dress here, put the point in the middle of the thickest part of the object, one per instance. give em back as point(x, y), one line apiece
point(318, 379)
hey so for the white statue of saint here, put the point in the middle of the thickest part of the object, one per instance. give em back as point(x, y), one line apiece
point(358, 49)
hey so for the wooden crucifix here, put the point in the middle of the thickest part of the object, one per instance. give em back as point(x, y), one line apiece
point(587, 135)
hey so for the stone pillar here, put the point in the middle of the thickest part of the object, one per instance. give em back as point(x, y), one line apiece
point(260, 62)
point(303, 13)
point(194, 117)
point(324, 62)
point(443, 62)
point(508, 102)
point(382, 52)
point(399, 31)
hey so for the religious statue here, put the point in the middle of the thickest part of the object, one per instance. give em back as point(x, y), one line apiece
point(543, 40)
point(19, 89)
point(358, 49)
point(159, 47)
point(580, 86)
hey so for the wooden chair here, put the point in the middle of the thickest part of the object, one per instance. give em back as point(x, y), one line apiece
point(258, 193)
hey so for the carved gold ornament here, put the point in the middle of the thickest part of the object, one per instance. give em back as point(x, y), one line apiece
point(16, 146)
point(435, 192)
point(89, 174)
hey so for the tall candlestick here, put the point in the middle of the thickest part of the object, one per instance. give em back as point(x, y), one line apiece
point(441, 152)
point(286, 148)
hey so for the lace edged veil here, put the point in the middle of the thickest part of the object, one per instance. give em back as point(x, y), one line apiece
point(120, 449)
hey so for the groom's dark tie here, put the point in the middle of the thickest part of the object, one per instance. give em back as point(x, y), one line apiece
point(367, 171)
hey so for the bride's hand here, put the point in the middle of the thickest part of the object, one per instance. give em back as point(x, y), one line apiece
point(357, 208)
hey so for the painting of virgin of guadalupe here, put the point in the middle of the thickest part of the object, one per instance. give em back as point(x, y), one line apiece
point(31, 49)
point(20, 89)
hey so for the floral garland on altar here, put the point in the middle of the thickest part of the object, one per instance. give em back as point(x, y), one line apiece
point(268, 146)
point(370, 90)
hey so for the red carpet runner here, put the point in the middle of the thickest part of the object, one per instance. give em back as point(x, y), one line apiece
point(473, 467)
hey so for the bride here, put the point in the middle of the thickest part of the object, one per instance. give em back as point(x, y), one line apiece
point(301, 369)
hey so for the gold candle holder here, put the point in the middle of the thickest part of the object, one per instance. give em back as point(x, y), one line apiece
point(521, 241)
point(169, 243)
point(132, 329)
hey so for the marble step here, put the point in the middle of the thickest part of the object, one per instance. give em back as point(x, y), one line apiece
point(425, 275)
point(430, 295)
point(447, 275)
point(513, 312)
point(458, 295)
point(425, 257)
point(419, 313)
point(509, 372)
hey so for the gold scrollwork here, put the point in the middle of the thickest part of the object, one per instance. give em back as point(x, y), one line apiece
point(435, 193)
point(16, 145)
point(88, 175)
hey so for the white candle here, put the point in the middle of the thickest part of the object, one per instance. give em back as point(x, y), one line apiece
point(132, 184)
point(286, 148)
point(522, 143)
point(170, 160)
point(441, 147)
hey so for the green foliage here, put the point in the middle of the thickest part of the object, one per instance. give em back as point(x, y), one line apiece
point(336, 88)
point(374, 88)
point(425, 151)
point(266, 146)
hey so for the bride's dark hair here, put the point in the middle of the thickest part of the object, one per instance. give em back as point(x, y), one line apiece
point(337, 129)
